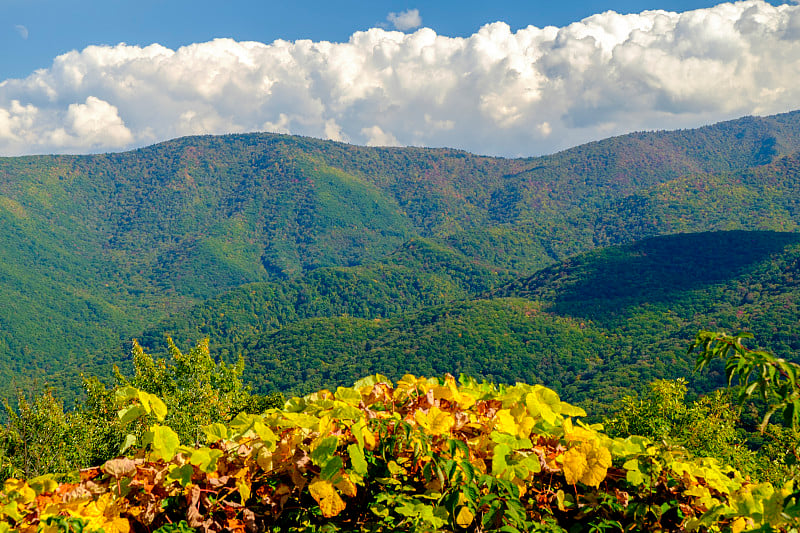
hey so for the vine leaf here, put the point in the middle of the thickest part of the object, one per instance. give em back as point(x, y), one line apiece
point(164, 441)
point(330, 503)
point(586, 463)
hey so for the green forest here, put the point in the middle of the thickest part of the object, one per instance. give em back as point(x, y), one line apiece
point(185, 446)
point(196, 237)
point(608, 336)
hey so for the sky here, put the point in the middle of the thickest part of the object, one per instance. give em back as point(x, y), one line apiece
point(501, 78)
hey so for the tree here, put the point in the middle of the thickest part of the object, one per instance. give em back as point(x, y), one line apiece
point(760, 375)
point(707, 427)
point(37, 439)
point(41, 436)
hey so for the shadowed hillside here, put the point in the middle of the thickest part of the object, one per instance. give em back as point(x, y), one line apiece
point(595, 327)
point(99, 248)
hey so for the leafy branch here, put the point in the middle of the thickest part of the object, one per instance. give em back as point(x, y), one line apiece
point(775, 379)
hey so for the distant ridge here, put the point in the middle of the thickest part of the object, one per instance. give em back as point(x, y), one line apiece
point(99, 248)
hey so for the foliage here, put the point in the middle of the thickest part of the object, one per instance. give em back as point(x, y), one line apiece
point(421, 273)
point(707, 427)
point(419, 455)
point(36, 439)
point(760, 376)
point(502, 340)
point(99, 248)
point(196, 389)
point(40, 437)
point(595, 328)
point(773, 378)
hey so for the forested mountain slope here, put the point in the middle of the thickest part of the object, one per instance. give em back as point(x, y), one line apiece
point(98, 248)
point(594, 327)
point(421, 273)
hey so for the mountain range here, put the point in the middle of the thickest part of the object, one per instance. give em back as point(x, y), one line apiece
point(320, 261)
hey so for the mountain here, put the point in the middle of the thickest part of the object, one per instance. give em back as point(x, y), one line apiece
point(421, 273)
point(99, 248)
point(594, 327)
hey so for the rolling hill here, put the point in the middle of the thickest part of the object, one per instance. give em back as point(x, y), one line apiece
point(594, 327)
point(99, 248)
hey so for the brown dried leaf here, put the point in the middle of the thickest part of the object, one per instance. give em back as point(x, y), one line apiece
point(119, 468)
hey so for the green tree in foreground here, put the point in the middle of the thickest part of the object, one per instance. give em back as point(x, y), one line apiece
point(36, 438)
point(710, 426)
point(760, 375)
point(41, 437)
point(707, 427)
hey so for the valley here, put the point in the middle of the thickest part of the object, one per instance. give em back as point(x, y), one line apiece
point(320, 261)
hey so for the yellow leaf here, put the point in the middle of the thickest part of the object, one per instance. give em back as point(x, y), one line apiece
point(444, 393)
point(243, 484)
point(103, 513)
point(738, 525)
point(244, 489)
point(521, 486)
point(264, 459)
point(345, 486)
point(574, 465)
point(24, 493)
point(586, 463)
point(369, 439)
point(598, 459)
point(436, 421)
point(525, 423)
point(117, 525)
point(505, 423)
point(464, 517)
point(330, 503)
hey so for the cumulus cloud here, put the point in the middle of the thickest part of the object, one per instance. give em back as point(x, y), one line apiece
point(405, 20)
point(527, 92)
point(93, 124)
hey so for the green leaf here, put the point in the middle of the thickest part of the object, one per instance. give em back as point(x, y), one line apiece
point(294, 405)
point(125, 394)
point(358, 432)
point(205, 458)
point(130, 413)
point(215, 432)
point(182, 474)
point(130, 440)
point(331, 468)
point(153, 404)
point(348, 396)
point(11, 510)
point(43, 484)
point(264, 433)
point(499, 464)
point(371, 381)
point(164, 442)
point(357, 459)
point(511, 441)
point(324, 450)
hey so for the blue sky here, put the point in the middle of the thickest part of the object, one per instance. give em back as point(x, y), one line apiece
point(501, 78)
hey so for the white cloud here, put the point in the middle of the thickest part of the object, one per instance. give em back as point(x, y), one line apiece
point(375, 136)
point(405, 20)
point(22, 31)
point(527, 92)
point(92, 125)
